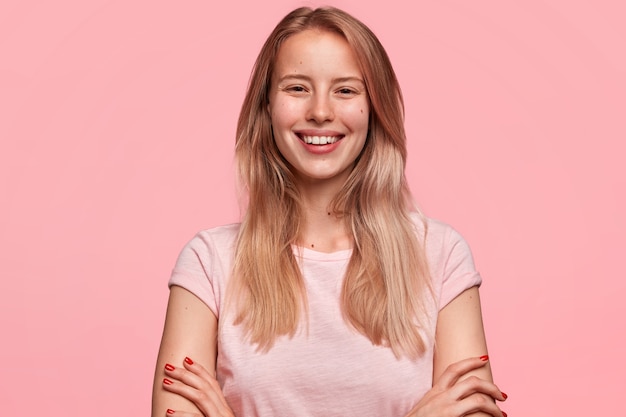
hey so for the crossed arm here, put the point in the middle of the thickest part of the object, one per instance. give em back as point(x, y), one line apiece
point(462, 382)
point(190, 332)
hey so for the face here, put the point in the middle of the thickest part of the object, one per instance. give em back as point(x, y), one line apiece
point(318, 106)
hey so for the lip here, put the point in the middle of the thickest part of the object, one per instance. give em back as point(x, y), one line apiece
point(317, 132)
point(319, 149)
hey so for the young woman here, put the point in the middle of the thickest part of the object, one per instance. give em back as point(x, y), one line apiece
point(333, 297)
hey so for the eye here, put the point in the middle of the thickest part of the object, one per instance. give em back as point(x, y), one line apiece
point(345, 91)
point(295, 89)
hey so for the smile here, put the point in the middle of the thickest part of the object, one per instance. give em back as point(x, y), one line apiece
point(319, 140)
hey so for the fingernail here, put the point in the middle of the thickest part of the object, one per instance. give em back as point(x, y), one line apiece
point(188, 361)
point(505, 396)
point(170, 411)
point(167, 381)
point(484, 358)
point(504, 414)
point(169, 367)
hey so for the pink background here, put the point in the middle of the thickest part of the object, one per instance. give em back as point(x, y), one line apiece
point(117, 121)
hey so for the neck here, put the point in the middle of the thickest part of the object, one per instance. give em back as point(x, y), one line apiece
point(322, 230)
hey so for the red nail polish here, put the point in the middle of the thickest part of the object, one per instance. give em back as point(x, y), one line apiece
point(169, 367)
point(504, 414)
point(188, 361)
point(170, 411)
point(484, 358)
point(505, 396)
point(167, 381)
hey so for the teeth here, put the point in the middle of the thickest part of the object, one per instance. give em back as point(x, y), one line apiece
point(320, 140)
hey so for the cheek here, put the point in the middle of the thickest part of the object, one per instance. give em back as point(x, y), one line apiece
point(357, 117)
point(282, 114)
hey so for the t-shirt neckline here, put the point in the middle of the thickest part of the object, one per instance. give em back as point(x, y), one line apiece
point(307, 253)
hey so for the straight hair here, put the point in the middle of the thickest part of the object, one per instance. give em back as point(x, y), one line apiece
point(387, 285)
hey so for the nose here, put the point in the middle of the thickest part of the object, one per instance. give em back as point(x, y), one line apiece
point(320, 109)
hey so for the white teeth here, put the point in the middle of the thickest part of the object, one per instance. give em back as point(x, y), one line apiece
point(320, 140)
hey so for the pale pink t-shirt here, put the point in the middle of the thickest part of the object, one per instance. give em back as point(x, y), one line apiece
point(327, 369)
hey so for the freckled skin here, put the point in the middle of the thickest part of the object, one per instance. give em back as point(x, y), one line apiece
point(329, 96)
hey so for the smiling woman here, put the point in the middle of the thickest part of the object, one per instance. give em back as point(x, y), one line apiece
point(330, 296)
point(318, 107)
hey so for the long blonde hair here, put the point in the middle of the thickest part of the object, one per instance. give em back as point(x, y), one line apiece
point(387, 284)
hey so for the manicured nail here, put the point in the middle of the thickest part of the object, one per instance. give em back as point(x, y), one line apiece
point(504, 414)
point(170, 411)
point(188, 361)
point(169, 367)
point(167, 381)
point(484, 358)
point(505, 396)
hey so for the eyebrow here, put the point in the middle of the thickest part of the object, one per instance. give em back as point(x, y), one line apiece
point(309, 79)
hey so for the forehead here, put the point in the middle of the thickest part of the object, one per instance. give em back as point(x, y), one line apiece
point(315, 50)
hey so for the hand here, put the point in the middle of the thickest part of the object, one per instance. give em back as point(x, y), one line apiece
point(199, 386)
point(453, 397)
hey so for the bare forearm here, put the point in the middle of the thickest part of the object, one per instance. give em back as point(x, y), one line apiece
point(190, 330)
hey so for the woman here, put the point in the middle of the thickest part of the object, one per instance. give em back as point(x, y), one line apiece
point(330, 296)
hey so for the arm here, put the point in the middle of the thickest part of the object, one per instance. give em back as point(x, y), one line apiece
point(462, 384)
point(190, 331)
point(460, 335)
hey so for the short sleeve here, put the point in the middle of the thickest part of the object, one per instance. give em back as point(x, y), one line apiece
point(195, 271)
point(459, 272)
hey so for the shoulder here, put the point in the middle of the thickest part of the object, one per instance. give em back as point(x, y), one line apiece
point(204, 264)
point(208, 249)
point(215, 238)
point(447, 252)
point(436, 234)
point(225, 232)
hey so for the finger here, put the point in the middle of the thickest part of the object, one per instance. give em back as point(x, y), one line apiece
point(205, 375)
point(456, 370)
point(477, 403)
point(177, 413)
point(198, 369)
point(185, 376)
point(208, 401)
point(473, 385)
